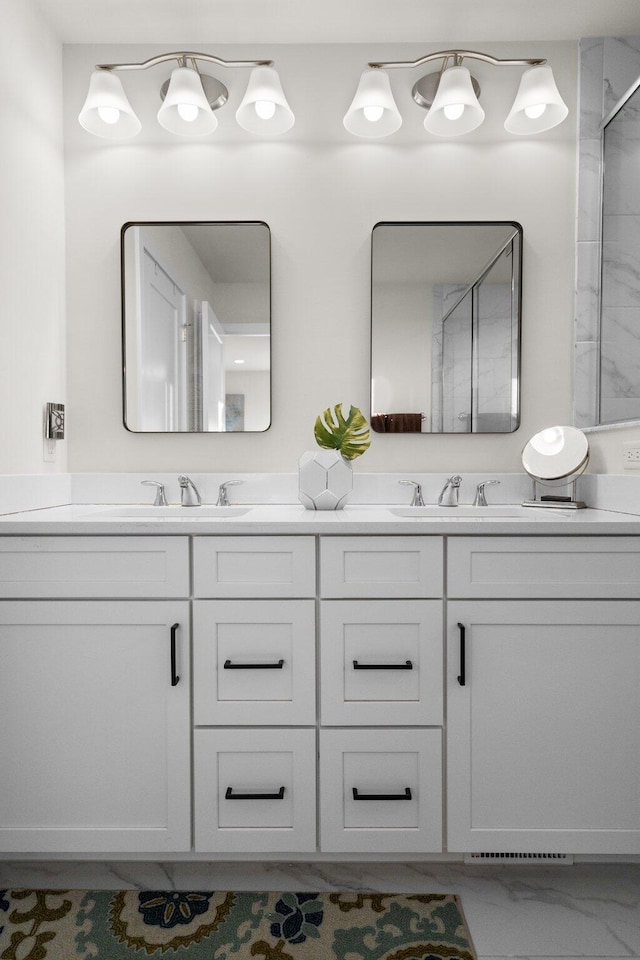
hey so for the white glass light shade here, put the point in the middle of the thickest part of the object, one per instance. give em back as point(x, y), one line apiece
point(373, 111)
point(537, 89)
point(186, 99)
point(455, 90)
point(106, 111)
point(264, 107)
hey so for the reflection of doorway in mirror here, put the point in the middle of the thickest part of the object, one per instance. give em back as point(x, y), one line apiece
point(210, 366)
point(162, 348)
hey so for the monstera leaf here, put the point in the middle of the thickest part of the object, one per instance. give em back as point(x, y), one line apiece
point(350, 437)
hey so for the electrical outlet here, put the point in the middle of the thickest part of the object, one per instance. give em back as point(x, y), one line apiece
point(631, 456)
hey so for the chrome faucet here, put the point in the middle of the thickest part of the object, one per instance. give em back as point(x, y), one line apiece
point(160, 500)
point(450, 491)
point(416, 500)
point(480, 499)
point(189, 496)
point(223, 497)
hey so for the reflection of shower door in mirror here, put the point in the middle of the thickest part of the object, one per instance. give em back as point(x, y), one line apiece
point(162, 349)
point(457, 366)
point(475, 352)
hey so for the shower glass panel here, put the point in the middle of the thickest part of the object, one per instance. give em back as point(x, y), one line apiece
point(619, 393)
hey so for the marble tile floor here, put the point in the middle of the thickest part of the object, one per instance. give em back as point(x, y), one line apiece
point(585, 910)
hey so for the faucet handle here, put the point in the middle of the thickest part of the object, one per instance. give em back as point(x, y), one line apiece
point(223, 498)
point(160, 500)
point(480, 499)
point(417, 500)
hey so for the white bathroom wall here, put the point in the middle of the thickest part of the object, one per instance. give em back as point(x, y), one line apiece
point(32, 270)
point(401, 352)
point(321, 192)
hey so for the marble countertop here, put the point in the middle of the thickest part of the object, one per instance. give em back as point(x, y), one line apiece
point(294, 519)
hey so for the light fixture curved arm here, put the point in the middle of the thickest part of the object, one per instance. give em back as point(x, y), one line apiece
point(181, 56)
point(446, 54)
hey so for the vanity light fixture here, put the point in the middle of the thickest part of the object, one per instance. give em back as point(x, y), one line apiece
point(450, 97)
point(189, 99)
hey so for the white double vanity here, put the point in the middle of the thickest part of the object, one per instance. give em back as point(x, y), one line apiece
point(289, 684)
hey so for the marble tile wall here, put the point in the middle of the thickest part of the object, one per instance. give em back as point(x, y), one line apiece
point(608, 67)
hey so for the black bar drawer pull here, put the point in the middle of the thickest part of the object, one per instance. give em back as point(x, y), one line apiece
point(407, 665)
point(462, 676)
point(175, 679)
point(228, 665)
point(382, 796)
point(230, 795)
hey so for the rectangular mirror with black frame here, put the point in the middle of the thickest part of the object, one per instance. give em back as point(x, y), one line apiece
point(196, 327)
point(445, 327)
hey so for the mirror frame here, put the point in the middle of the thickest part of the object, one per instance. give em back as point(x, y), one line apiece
point(456, 223)
point(190, 223)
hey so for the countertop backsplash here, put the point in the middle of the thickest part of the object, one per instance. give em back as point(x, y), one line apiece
point(36, 491)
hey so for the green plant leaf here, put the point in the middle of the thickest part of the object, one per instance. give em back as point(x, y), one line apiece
point(350, 437)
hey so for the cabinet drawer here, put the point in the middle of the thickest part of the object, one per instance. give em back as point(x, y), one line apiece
point(254, 567)
point(381, 566)
point(381, 662)
point(503, 567)
point(254, 662)
point(68, 567)
point(255, 790)
point(381, 790)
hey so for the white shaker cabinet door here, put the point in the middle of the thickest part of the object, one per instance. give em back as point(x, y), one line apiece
point(543, 718)
point(94, 713)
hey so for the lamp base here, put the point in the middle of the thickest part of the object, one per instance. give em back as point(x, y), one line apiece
point(215, 92)
point(425, 89)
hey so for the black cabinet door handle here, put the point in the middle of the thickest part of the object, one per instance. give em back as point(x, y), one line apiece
point(382, 796)
point(175, 679)
point(228, 665)
point(407, 665)
point(230, 795)
point(462, 676)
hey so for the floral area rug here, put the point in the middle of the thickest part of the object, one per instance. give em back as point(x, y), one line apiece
point(206, 925)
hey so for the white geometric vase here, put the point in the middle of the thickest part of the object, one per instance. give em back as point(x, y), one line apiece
point(325, 480)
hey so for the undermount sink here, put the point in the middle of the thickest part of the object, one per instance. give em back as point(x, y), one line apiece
point(468, 512)
point(174, 511)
